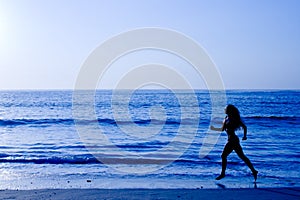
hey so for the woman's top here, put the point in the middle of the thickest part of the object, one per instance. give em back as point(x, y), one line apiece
point(230, 126)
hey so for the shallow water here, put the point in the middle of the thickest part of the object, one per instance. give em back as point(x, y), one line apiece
point(147, 139)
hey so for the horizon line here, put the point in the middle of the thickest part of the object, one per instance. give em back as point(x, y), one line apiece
point(158, 89)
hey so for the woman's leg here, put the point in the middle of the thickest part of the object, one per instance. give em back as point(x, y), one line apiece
point(227, 150)
point(238, 149)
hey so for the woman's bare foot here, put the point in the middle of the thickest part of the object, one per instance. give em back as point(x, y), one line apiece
point(220, 177)
point(255, 175)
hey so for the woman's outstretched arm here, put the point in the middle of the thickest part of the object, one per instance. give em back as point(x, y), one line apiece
point(245, 131)
point(218, 129)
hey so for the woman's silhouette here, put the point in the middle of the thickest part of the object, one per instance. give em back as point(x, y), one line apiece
point(231, 123)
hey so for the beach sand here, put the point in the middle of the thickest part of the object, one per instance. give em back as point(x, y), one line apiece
point(210, 194)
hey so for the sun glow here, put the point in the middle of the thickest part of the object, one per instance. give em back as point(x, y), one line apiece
point(5, 30)
point(2, 27)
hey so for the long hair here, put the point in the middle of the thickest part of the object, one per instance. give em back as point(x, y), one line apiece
point(234, 115)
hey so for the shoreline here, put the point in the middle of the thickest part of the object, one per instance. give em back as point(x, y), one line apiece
point(224, 194)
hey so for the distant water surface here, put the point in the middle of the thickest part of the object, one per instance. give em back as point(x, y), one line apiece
point(41, 148)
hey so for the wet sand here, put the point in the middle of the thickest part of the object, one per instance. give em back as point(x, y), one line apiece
point(209, 194)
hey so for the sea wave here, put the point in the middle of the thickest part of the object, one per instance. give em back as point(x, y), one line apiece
point(89, 159)
point(51, 160)
point(289, 118)
point(104, 121)
point(17, 122)
point(109, 121)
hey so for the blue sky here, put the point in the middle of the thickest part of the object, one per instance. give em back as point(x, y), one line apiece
point(254, 44)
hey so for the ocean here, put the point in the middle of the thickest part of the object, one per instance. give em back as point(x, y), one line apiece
point(144, 139)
